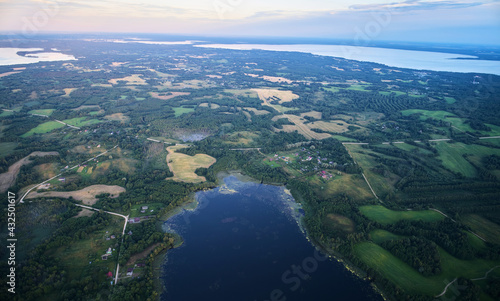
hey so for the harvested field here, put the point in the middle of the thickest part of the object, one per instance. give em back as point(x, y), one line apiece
point(9, 73)
point(47, 170)
point(212, 106)
point(335, 126)
point(312, 114)
point(8, 178)
point(276, 79)
point(68, 91)
point(302, 128)
point(266, 95)
point(134, 79)
point(80, 169)
point(87, 195)
point(183, 166)
point(163, 96)
point(118, 117)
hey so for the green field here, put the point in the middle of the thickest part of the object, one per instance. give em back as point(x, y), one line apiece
point(449, 100)
point(43, 128)
point(6, 113)
point(451, 154)
point(387, 93)
point(409, 279)
point(7, 148)
point(358, 88)
point(379, 236)
point(380, 184)
point(457, 122)
point(483, 227)
point(182, 110)
point(46, 112)
point(80, 121)
point(383, 215)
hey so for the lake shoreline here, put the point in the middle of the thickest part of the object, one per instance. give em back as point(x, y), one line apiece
point(191, 205)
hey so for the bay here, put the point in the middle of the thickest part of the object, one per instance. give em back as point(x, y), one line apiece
point(419, 60)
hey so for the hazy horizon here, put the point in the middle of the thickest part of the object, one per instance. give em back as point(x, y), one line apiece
point(433, 21)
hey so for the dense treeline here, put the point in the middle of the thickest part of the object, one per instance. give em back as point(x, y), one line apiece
point(419, 253)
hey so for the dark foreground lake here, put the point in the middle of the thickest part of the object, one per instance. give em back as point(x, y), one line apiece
point(243, 242)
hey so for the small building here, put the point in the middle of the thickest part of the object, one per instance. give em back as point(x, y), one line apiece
point(140, 265)
point(109, 251)
point(137, 220)
point(113, 236)
point(129, 233)
point(104, 257)
point(130, 271)
point(109, 274)
point(144, 207)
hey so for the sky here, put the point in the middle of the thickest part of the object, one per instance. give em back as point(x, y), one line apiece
point(448, 21)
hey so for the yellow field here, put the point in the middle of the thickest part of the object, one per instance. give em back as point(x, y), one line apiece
point(266, 95)
point(118, 117)
point(183, 166)
point(80, 169)
point(68, 91)
point(302, 128)
point(134, 79)
point(212, 106)
point(334, 126)
point(276, 79)
point(86, 195)
point(312, 114)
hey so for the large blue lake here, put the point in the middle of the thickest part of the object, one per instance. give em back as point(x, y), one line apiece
point(421, 60)
point(243, 242)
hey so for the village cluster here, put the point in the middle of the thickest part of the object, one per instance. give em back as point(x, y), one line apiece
point(308, 160)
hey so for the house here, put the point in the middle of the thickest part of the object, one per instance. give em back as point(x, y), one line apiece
point(137, 220)
point(109, 274)
point(140, 265)
point(130, 271)
point(104, 257)
point(109, 251)
point(144, 207)
point(113, 237)
point(129, 233)
point(62, 179)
